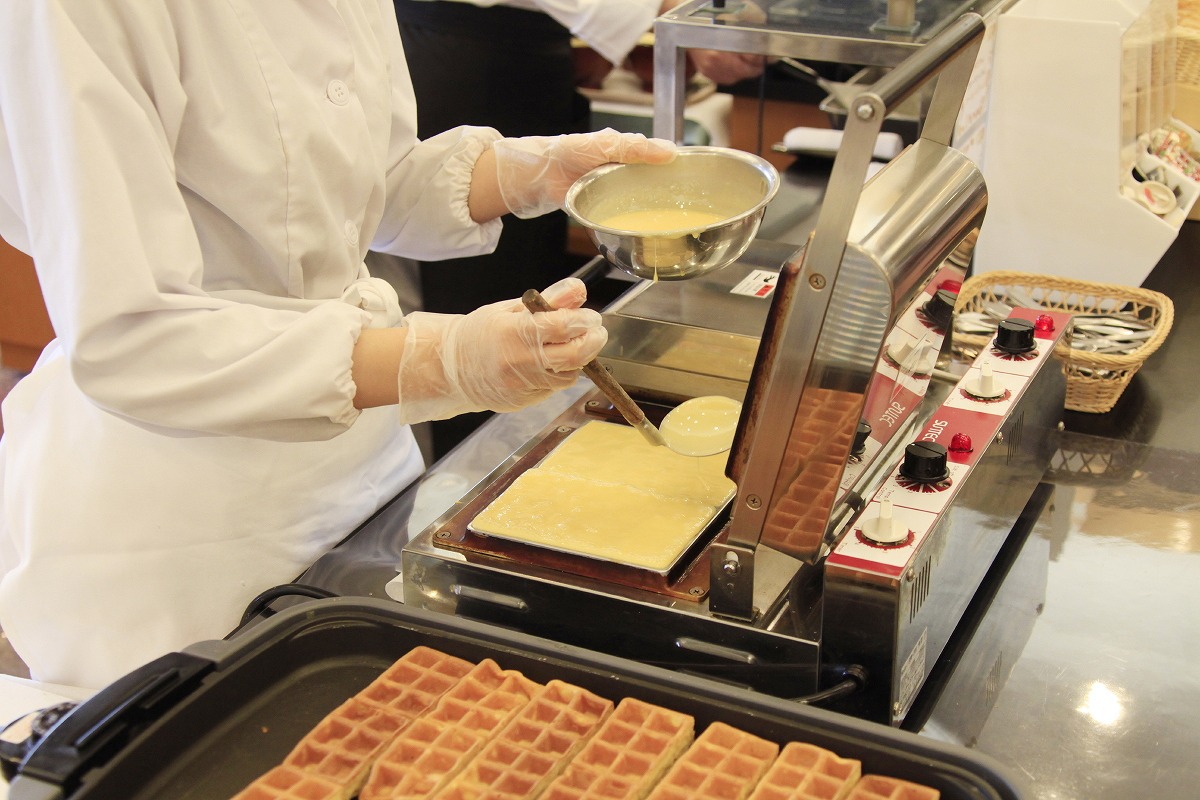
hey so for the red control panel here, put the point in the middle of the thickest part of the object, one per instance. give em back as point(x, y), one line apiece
point(905, 367)
point(905, 508)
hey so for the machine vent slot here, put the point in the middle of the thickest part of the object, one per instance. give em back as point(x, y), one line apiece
point(991, 684)
point(1012, 438)
point(920, 590)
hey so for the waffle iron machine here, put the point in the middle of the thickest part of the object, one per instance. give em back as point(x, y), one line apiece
point(875, 480)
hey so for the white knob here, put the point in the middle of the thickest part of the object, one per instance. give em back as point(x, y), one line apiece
point(985, 385)
point(884, 528)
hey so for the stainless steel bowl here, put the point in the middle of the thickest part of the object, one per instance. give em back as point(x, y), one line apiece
point(732, 185)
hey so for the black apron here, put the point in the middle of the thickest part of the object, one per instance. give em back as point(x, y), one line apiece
point(512, 70)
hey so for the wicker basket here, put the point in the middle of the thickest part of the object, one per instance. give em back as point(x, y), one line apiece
point(1095, 381)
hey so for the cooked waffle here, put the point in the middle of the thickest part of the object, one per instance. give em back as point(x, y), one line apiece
point(289, 783)
point(413, 684)
point(421, 760)
point(724, 763)
point(807, 772)
point(536, 745)
point(424, 758)
point(437, 726)
point(634, 747)
point(558, 720)
point(880, 787)
point(813, 464)
point(485, 699)
point(504, 771)
point(343, 745)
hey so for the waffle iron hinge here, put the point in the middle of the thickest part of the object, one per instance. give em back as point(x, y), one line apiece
point(872, 250)
point(731, 581)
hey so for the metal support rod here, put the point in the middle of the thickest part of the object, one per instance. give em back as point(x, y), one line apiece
point(901, 13)
point(823, 257)
point(908, 76)
point(793, 370)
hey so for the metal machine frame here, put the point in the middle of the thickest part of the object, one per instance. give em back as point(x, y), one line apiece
point(778, 615)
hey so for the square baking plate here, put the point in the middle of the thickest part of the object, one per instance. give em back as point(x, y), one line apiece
point(602, 493)
point(205, 722)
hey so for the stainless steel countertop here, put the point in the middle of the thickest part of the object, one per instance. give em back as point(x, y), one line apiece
point(1100, 699)
point(1082, 673)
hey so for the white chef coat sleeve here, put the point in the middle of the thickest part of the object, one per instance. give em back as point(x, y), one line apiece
point(610, 27)
point(434, 177)
point(90, 173)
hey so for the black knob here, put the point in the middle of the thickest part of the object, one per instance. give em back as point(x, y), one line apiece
point(1014, 336)
point(925, 462)
point(860, 438)
point(939, 310)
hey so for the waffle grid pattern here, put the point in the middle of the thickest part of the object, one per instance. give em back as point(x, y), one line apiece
point(627, 756)
point(807, 772)
point(436, 726)
point(437, 747)
point(881, 787)
point(286, 782)
point(724, 763)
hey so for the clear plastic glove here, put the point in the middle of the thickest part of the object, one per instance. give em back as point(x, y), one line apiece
point(499, 357)
point(535, 172)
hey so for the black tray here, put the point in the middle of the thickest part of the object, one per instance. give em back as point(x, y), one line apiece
point(205, 722)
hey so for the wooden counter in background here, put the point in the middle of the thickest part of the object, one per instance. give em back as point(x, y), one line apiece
point(777, 117)
point(24, 325)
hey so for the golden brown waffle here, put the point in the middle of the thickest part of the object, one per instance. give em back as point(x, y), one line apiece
point(421, 760)
point(879, 787)
point(807, 772)
point(632, 750)
point(558, 720)
point(536, 745)
point(479, 732)
point(289, 783)
point(343, 745)
point(812, 467)
point(435, 748)
point(724, 763)
point(503, 771)
point(485, 698)
point(412, 685)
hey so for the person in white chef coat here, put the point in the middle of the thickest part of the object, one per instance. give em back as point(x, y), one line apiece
point(228, 396)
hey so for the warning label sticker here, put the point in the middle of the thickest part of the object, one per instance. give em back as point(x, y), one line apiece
point(912, 672)
point(759, 283)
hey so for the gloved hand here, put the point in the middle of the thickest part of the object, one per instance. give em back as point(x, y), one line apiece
point(535, 172)
point(499, 357)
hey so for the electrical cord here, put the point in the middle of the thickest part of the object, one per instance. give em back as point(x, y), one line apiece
point(856, 679)
point(851, 678)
